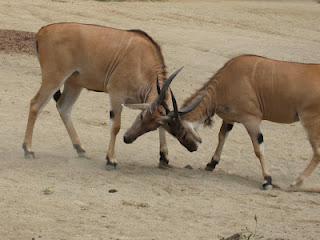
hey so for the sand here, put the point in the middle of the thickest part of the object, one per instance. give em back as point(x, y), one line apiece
point(60, 196)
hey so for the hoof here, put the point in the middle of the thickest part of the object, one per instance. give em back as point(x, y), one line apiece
point(164, 165)
point(111, 165)
point(267, 184)
point(211, 165)
point(297, 183)
point(267, 187)
point(29, 155)
point(83, 155)
point(81, 152)
point(163, 158)
point(294, 187)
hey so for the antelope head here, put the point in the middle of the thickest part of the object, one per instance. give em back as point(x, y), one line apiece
point(157, 114)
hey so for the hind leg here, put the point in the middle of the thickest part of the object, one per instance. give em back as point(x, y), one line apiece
point(51, 82)
point(313, 130)
point(65, 103)
point(309, 169)
point(37, 103)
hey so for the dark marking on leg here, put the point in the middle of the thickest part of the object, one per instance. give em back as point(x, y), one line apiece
point(163, 162)
point(229, 127)
point(110, 165)
point(57, 95)
point(260, 138)
point(111, 114)
point(267, 183)
point(211, 165)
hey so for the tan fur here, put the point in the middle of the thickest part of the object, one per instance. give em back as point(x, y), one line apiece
point(125, 64)
point(249, 89)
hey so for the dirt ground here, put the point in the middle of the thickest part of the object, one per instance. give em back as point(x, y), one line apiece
point(60, 196)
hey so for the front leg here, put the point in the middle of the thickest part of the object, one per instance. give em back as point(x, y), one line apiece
point(115, 123)
point(253, 128)
point(164, 161)
point(223, 134)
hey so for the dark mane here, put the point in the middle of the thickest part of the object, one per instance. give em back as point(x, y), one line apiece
point(205, 86)
point(144, 34)
point(205, 108)
point(147, 36)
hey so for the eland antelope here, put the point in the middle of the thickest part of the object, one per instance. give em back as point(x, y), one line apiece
point(247, 90)
point(126, 64)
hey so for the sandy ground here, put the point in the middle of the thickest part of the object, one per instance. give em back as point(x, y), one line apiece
point(151, 203)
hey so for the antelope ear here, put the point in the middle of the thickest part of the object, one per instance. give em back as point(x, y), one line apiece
point(138, 106)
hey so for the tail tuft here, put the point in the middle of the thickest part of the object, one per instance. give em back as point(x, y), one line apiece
point(57, 95)
point(37, 47)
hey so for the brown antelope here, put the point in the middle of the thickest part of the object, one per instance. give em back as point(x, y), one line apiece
point(125, 64)
point(249, 89)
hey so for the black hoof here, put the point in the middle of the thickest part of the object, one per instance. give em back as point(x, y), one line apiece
point(81, 152)
point(29, 155)
point(163, 158)
point(267, 184)
point(164, 162)
point(111, 165)
point(211, 165)
point(164, 165)
point(83, 155)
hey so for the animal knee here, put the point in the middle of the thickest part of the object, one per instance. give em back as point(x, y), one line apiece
point(221, 136)
point(64, 112)
point(257, 153)
point(34, 109)
point(115, 129)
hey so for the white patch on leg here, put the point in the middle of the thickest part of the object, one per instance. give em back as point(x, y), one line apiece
point(111, 124)
point(261, 149)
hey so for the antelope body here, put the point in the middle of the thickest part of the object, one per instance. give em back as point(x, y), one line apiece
point(124, 64)
point(249, 89)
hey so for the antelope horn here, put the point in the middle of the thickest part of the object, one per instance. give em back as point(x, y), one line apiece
point(166, 108)
point(175, 105)
point(166, 85)
point(158, 86)
point(191, 106)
